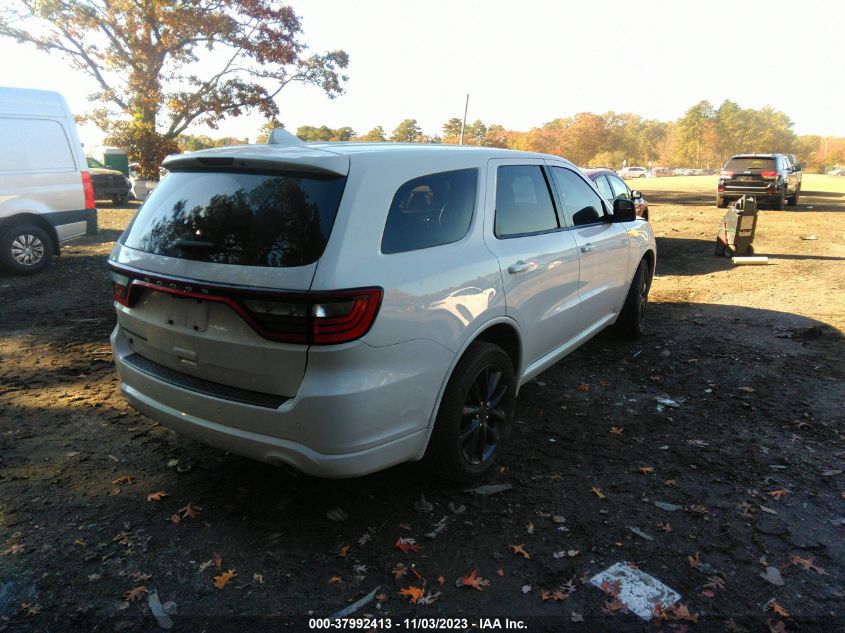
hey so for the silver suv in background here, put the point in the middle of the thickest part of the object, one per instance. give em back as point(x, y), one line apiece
point(341, 308)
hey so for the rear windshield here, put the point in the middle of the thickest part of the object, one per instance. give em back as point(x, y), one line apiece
point(747, 164)
point(248, 219)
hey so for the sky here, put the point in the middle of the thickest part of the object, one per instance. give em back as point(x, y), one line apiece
point(526, 62)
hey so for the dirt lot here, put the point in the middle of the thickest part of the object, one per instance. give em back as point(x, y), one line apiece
point(751, 460)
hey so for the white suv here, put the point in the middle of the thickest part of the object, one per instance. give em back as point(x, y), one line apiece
point(340, 308)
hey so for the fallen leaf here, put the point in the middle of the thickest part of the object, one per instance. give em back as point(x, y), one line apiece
point(598, 493)
point(715, 582)
point(670, 482)
point(474, 581)
point(613, 607)
point(381, 597)
point(694, 561)
point(414, 593)
point(441, 580)
point(747, 389)
point(807, 563)
point(694, 508)
point(343, 551)
point(519, 549)
point(778, 494)
point(664, 526)
point(576, 617)
point(205, 565)
point(399, 570)
point(407, 545)
point(157, 496)
point(134, 594)
point(779, 610)
point(336, 580)
point(417, 574)
point(526, 588)
point(612, 588)
point(429, 598)
point(188, 512)
point(500, 572)
point(218, 560)
point(708, 593)
point(122, 480)
point(258, 577)
point(776, 626)
point(645, 470)
point(681, 612)
point(221, 580)
point(617, 430)
point(405, 526)
point(530, 528)
point(582, 387)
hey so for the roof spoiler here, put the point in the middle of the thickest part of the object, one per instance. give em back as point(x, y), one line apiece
point(281, 136)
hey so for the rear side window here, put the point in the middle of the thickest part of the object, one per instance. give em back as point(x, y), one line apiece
point(601, 183)
point(34, 145)
point(430, 211)
point(583, 205)
point(751, 164)
point(273, 219)
point(523, 201)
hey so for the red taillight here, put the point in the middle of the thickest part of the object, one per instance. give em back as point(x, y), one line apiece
point(726, 174)
point(88, 188)
point(120, 285)
point(769, 175)
point(720, 188)
point(344, 316)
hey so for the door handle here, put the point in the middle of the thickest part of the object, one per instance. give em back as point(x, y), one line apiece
point(518, 267)
point(586, 248)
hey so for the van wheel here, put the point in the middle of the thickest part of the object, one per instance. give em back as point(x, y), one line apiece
point(475, 415)
point(25, 249)
point(631, 321)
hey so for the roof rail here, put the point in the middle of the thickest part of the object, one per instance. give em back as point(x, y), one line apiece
point(281, 136)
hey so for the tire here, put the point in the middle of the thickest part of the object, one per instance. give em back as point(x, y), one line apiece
point(777, 203)
point(25, 249)
point(631, 321)
point(475, 415)
point(793, 199)
point(121, 198)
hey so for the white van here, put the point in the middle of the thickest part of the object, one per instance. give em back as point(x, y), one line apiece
point(46, 194)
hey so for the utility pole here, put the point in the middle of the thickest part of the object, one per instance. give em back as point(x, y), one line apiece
point(464, 121)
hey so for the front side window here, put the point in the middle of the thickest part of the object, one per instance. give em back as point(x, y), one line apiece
point(582, 204)
point(430, 211)
point(269, 219)
point(601, 183)
point(523, 201)
point(620, 189)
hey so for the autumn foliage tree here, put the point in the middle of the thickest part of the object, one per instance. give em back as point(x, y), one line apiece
point(145, 56)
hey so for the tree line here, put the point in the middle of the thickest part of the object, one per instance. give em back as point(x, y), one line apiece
point(705, 137)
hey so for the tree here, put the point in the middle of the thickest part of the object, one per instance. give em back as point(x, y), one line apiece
point(324, 133)
point(375, 135)
point(407, 132)
point(143, 54)
point(266, 130)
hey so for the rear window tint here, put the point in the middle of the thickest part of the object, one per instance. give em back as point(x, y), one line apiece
point(430, 211)
point(248, 219)
point(746, 164)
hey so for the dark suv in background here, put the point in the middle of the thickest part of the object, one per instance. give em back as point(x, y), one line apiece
point(772, 178)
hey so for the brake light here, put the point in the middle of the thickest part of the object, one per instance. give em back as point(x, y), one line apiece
point(120, 285)
point(88, 188)
point(726, 174)
point(769, 175)
point(344, 316)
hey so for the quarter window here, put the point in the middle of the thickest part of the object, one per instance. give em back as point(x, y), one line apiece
point(523, 201)
point(582, 204)
point(430, 211)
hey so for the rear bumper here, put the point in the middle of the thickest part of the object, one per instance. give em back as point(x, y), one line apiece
point(359, 409)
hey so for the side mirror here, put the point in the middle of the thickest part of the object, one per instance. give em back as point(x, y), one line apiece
point(636, 194)
point(624, 211)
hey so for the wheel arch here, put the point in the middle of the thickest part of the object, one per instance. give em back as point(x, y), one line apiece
point(502, 331)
